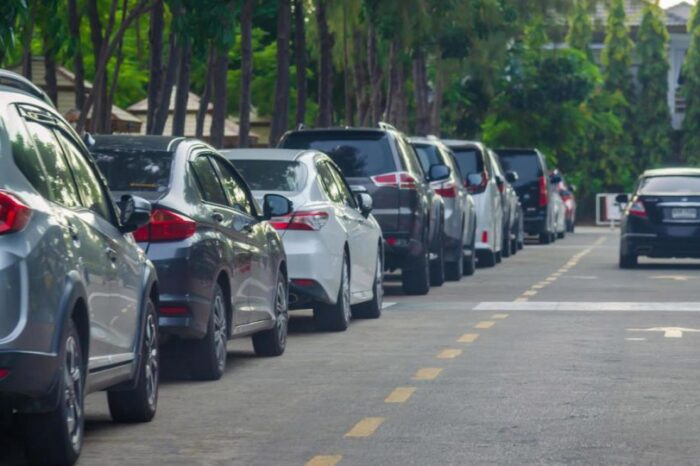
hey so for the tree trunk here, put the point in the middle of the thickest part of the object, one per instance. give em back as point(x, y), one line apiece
point(325, 80)
point(166, 91)
point(183, 89)
point(360, 79)
point(375, 77)
point(280, 117)
point(300, 55)
point(50, 69)
point(421, 90)
point(347, 75)
point(219, 93)
point(396, 111)
point(246, 73)
point(388, 114)
point(206, 95)
point(27, 47)
point(78, 67)
point(155, 40)
point(436, 108)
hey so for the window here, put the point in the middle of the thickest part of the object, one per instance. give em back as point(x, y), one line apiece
point(234, 188)
point(272, 175)
point(208, 181)
point(144, 171)
point(89, 187)
point(469, 161)
point(673, 184)
point(25, 155)
point(428, 155)
point(59, 181)
point(328, 183)
point(346, 194)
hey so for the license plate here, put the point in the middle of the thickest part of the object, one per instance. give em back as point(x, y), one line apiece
point(684, 214)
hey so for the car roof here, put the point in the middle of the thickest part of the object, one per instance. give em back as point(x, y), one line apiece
point(340, 129)
point(137, 143)
point(512, 150)
point(265, 154)
point(452, 143)
point(677, 171)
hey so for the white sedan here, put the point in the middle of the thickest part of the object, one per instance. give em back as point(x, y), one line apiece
point(333, 243)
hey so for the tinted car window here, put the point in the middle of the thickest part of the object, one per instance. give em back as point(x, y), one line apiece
point(358, 154)
point(234, 188)
point(27, 159)
point(469, 161)
point(670, 184)
point(135, 171)
point(428, 155)
point(272, 175)
point(328, 183)
point(526, 165)
point(345, 193)
point(208, 181)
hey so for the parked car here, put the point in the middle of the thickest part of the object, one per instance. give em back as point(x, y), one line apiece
point(334, 245)
point(479, 178)
point(222, 266)
point(662, 217)
point(512, 217)
point(79, 297)
point(382, 162)
point(536, 190)
point(460, 211)
point(568, 196)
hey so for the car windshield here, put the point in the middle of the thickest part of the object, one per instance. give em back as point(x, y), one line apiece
point(428, 155)
point(358, 154)
point(526, 165)
point(272, 175)
point(469, 161)
point(670, 184)
point(147, 171)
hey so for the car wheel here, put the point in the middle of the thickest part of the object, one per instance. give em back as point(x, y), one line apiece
point(487, 259)
point(336, 317)
point(505, 250)
point(545, 238)
point(415, 278)
point(437, 267)
point(209, 354)
point(454, 270)
point(561, 235)
point(470, 261)
point(513, 246)
point(139, 403)
point(628, 261)
point(274, 341)
point(56, 437)
point(499, 257)
point(373, 309)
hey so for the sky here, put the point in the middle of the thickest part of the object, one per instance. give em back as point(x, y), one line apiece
point(666, 3)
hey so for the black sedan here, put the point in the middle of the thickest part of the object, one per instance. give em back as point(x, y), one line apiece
point(662, 218)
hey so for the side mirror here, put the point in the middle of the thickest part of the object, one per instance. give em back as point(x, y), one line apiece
point(555, 179)
point(511, 176)
point(622, 198)
point(365, 203)
point(438, 172)
point(275, 205)
point(135, 213)
point(474, 179)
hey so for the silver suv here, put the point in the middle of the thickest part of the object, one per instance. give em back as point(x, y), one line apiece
point(78, 296)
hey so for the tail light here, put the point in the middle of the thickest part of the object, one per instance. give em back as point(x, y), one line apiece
point(166, 226)
point(447, 190)
point(14, 214)
point(501, 187)
point(481, 187)
point(400, 180)
point(173, 310)
point(301, 220)
point(544, 195)
point(4, 373)
point(637, 209)
point(484, 236)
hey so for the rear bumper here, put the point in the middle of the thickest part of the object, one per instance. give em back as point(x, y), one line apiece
point(316, 260)
point(32, 384)
point(535, 224)
point(402, 253)
point(654, 245)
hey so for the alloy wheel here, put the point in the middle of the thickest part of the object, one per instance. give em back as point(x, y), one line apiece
point(73, 393)
point(282, 313)
point(345, 283)
point(152, 370)
point(379, 283)
point(220, 336)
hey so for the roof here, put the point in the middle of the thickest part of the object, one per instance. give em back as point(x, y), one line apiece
point(677, 15)
point(192, 103)
point(136, 143)
point(463, 143)
point(676, 171)
point(264, 154)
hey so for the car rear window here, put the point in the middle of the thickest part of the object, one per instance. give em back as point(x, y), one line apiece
point(135, 171)
point(525, 164)
point(272, 175)
point(469, 161)
point(670, 184)
point(428, 155)
point(358, 154)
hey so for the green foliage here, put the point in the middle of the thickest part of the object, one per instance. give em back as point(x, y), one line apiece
point(653, 117)
point(14, 13)
point(691, 91)
point(617, 53)
point(580, 33)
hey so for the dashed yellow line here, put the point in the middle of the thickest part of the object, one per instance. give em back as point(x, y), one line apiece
point(324, 460)
point(400, 395)
point(499, 316)
point(468, 338)
point(485, 324)
point(449, 353)
point(427, 373)
point(530, 293)
point(365, 427)
point(520, 300)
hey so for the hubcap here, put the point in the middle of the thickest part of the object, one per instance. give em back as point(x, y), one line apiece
point(281, 310)
point(220, 331)
point(73, 393)
point(151, 352)
point(346, 292)
point(379, 283)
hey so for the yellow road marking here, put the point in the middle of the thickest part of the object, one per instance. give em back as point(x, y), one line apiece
point(449, 353)
point(485, 324)
point(400, 395)
point(550, 279)
point(324, 460)
point(563, 270)
point(530, 293)
point(365, 427)
point(538, 286)
point(427, 373)
point(520, 300)
point(499, 316)
point(468, 338)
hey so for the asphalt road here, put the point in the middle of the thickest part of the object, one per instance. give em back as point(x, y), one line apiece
point(555, 356)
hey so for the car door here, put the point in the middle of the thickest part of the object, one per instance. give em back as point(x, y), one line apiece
point(221, 217)
point(251, 231)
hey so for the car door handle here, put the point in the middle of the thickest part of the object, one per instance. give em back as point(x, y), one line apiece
point(111, 253)
point(218, 217)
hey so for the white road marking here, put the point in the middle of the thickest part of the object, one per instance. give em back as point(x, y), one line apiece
point(587, 306)
point(678, 278)
point(636, 339)
point(387, 305)
point(669, 332)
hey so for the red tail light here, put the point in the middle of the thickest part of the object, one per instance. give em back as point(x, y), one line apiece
point(14, 214)
point(401, 180)
point(4, 373)
point(544, 195)
point(447, 190)
point(484, 236)
point(481, 187)
point(501, 187)
point(637, 209)
point(166, 226)
point(303, 282)
point(302, 220)
point(173, 310)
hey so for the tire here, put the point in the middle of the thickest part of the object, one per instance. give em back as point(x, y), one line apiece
point(209, 354)
point(545, 238)
point(437, 268)
point(454, 271)
point(505, 249)
point(570, 226)
point(561, 235)
point(487, 259)
point(514, 246)
point(628, 261)
point(139, 404)
point(336, 317)
point(470, 262)
point(499, 257)
point(273, 342)
point(415, 279)
point(56, 437)
point(373, 309)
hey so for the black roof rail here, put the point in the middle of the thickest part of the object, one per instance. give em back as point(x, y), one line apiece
point(385, 125)
point(17, 81)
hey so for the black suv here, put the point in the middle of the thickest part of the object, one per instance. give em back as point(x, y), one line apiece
point(535, 189)
point(380, 161)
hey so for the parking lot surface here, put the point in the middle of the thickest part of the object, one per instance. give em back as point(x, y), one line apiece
point(556, 356)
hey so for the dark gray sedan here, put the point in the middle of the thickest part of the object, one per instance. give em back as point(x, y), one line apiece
point(222, 267)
